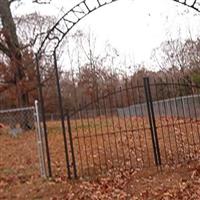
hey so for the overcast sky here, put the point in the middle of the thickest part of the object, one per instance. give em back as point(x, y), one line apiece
point(134, 27)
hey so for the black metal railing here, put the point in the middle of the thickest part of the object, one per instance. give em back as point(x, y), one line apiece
point(151, 124)
point(120, 130)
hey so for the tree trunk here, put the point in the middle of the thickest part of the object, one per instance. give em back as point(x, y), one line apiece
point(12, 44)
point(11, 48)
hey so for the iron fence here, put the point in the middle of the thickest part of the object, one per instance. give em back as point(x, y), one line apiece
point(136, 127)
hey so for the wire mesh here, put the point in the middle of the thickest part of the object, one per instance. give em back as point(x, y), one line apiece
point(18, 120)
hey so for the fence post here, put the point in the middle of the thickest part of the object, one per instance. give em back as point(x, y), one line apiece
point(43, 116)
point(62, 118)
point(40, 142)
point(71, 145)
point(152, 121)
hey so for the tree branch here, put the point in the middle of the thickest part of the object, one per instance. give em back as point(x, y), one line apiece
point(42, 1)
point(11, 1)
point(33, 41)
point(4, 49)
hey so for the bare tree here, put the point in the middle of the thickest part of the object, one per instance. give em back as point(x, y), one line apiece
point(179, 59)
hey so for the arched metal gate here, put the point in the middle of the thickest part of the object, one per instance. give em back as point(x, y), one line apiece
point(174, 137)
point(136, 126)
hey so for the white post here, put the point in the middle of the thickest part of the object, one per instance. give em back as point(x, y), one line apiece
point(39, 136)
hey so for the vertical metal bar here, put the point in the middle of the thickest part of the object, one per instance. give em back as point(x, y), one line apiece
point(152, 122)
point(113, 124)
point(43, 116)
point(178, 123)
point(173, 122)
point(197, 109)
point(76, 111)
point(108, 131)
point(195, 114)
point(139, 137)
point(40, 142)
point(90, 136)
point(190, 120)
point(161, 121)
point(130, 118)
point(120, 127)
point(123, 104)
point(95, 130)
point(71, 145)
point(84, 136)
point(167, 125)
point(184, 117)
point(102, 133)
point(61, 115)
point(143, 119)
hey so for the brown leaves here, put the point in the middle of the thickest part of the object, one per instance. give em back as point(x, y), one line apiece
point(19, 176)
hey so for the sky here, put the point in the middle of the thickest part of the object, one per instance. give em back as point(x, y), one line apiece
point(133, 27)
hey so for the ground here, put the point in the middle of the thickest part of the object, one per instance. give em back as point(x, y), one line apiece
point(20, 179)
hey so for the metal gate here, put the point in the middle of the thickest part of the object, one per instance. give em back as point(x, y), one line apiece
point(136, 126)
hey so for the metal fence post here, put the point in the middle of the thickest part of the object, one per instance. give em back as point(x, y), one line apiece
point(43, 116)
point(62, 118)
point(152, 122)
point(71, 145)
point(40, 142)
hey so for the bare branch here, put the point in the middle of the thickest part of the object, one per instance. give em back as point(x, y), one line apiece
point(11, 1)
point(4, 49)
point(33, 41)
point(42, 1)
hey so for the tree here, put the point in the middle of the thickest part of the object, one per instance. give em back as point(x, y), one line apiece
point(10, 46)
point(19, 71)
point(18, 81)
point(180, 59)
point(92, 72)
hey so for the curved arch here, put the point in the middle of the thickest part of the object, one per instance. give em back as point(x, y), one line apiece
point(61, 28)
point(52, 40)
point(194, 5)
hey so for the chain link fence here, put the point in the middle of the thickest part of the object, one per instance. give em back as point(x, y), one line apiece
point(18, 120)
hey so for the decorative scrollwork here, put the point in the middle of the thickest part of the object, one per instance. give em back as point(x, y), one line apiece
point(194, 4)
point(57, 33)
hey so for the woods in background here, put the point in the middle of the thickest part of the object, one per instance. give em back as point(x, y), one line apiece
point(89, 74)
